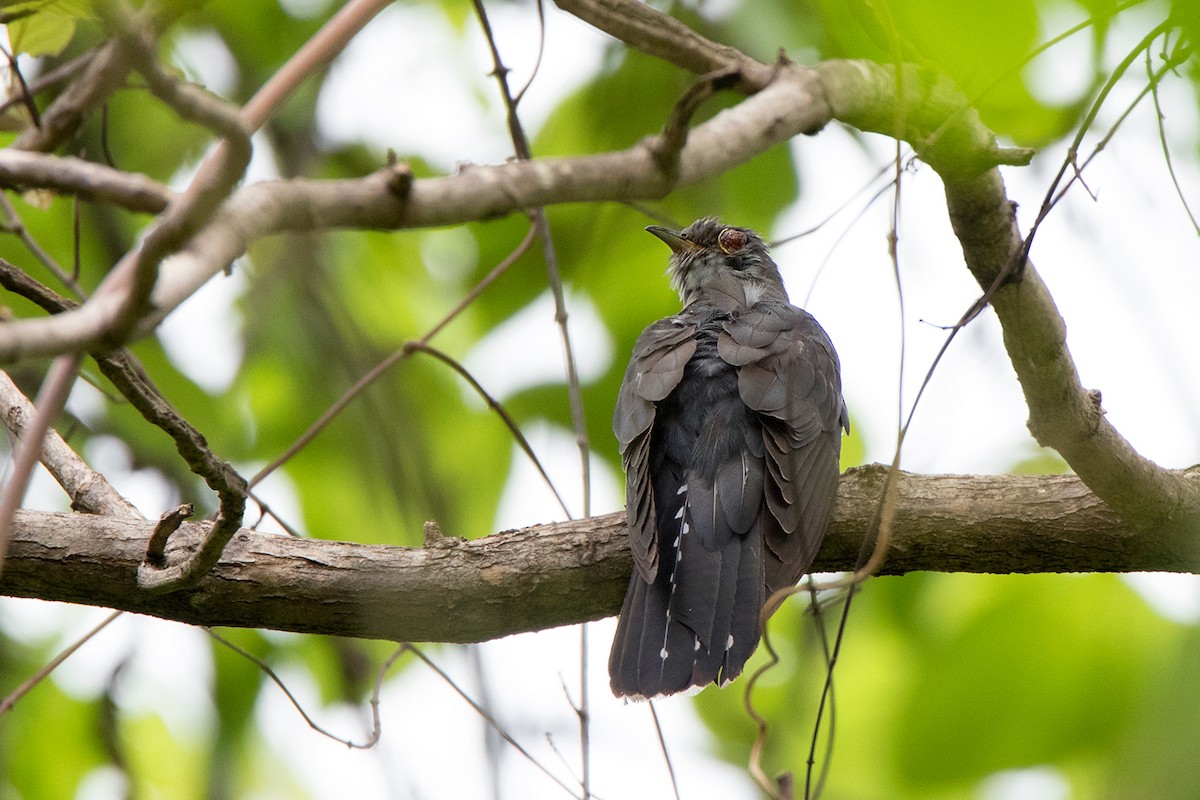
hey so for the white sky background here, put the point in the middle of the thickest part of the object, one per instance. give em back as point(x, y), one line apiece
point(1124, 270)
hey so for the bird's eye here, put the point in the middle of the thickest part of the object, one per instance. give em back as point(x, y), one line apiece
point(732, 240)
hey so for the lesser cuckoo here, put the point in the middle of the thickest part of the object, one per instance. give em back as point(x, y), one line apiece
point(729, 421)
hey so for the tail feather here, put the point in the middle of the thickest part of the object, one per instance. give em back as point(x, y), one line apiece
point(712, 626)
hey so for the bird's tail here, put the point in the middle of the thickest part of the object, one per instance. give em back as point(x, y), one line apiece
point(696, 624)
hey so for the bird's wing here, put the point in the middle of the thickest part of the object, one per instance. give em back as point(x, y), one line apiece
point(788, 372)
point(655, 369)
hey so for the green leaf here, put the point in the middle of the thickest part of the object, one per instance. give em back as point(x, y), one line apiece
point(45, 28)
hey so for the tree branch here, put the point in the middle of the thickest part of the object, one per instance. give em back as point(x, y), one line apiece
point(103, 75)
point(88, 489)
point(68, 175)
point(662, 36)
point(562, 573)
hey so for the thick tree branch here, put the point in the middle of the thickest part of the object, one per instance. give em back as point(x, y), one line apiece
point(1062, 414)
point(564, 573)
point(389, 199)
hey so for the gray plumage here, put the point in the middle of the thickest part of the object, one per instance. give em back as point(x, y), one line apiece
point(729, 423)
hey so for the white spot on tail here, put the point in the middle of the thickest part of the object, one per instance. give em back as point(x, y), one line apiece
point(683, 528)
point(696, 649)
point(729, 642)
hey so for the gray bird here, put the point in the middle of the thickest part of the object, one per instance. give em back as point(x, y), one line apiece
point(729, 421)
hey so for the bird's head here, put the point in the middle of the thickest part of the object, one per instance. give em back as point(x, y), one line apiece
point(722, 264)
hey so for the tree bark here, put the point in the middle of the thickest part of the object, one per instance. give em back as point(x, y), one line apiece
point(562, 573)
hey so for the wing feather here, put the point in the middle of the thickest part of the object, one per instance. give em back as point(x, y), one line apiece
point(655, 369)
point(789, 373)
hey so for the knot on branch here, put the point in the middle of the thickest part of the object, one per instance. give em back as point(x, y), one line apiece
point(398, 177)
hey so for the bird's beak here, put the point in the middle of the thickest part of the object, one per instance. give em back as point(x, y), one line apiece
point(673, 240)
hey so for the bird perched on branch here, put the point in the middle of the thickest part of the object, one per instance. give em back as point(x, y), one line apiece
point(729, 421)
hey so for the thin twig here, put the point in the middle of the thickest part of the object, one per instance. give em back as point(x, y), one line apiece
point(1162, 138)
point(574, 392)
point(827, 693)
point(537, 64)
point(662, 743)
point(493, 746)
point(523, 153)
point(1072, 152)
point(777, 243)
point(60, 74)
point(1015, 69)
point(827, 654)
point(482, 712)
point(16, 226)
point(266, 511)
point(22, 690)
point(403, 352)
point(376, 729)
point(26, 96)
point(500, 411)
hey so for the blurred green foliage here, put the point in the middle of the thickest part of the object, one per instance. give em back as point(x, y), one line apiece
point(944, 680)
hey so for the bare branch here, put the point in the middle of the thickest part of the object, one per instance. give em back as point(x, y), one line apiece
point(125, 372)
point(88, 490)
point(562, 573)
point(655, 33)
point(1062, 414)
point(104, 73)
point(790, 105)
point(95, 182)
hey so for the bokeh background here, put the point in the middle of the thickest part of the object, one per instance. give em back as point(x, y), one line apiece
point(948, 686)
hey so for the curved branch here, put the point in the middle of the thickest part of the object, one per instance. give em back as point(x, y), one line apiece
point(1062, 413)
point(562, 573)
